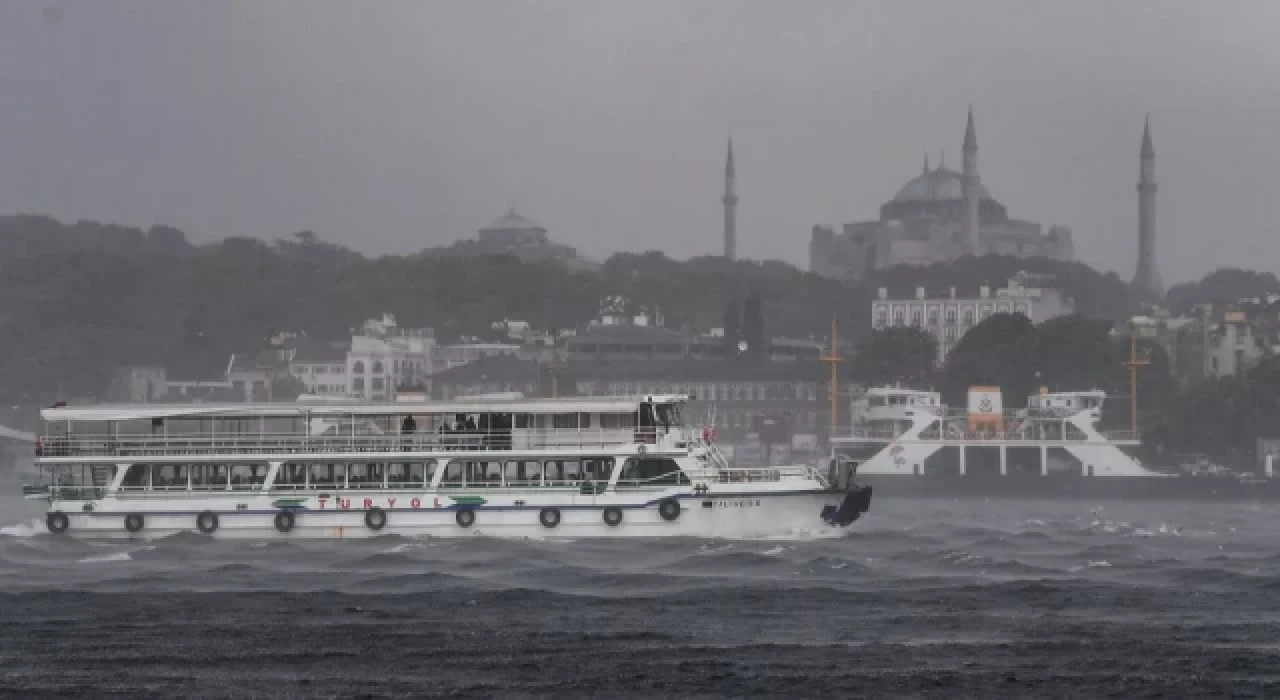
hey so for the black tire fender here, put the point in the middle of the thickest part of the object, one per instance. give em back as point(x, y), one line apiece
point(134, 522)
point(57, 522)
point(465, 517)
point(284, 521)
point(207, 522)
point(612, 516)
point(549, 517)
point(375, 518)
point(669, 509)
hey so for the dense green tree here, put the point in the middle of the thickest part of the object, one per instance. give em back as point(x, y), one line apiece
point(999, 351)
point(899, 354)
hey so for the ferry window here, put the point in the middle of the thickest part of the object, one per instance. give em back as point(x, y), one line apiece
point(524, 421)
point(209, 476)
point(164, 476)
point(598, 468)
point(360, 476)
point(617, 420)
point(136, 477)
point(453, 474)
point(562, 470)
point(291, 475)
point(565, 421)
point(584, 420)
point(653, 470)
point(245, 476)
point(323, 474)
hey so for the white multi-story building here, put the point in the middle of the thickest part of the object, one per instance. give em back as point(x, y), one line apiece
point(947, 319)
point(381, 358)
point(384, 356)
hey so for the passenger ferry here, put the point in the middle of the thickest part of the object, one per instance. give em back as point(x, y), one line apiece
point(906, 442)
point(608, 467)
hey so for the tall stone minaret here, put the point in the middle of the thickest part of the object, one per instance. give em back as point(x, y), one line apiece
point(1146, 280)
point(971, 184)
point(730, 200)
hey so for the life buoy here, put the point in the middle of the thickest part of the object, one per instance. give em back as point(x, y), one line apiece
point(465, 517)
point(57, 522)
point(284, 521)
point(375, 518)
point(549, 517)
point(669, 509)
point(133, 522)
point(207, 522)
point(612, 516)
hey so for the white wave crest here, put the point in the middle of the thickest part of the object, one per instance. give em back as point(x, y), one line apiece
point(31, 529)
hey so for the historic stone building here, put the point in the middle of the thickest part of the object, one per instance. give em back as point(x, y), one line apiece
point(938, 216)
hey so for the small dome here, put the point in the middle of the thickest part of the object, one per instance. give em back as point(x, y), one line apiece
point(511, 221)
point(936, 185)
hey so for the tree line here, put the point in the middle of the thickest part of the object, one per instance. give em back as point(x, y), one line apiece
point(78, 301)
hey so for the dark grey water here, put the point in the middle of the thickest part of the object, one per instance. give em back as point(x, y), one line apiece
point(922, 599)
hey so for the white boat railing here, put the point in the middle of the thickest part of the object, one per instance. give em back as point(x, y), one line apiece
point(977, 436)
point(257, 443)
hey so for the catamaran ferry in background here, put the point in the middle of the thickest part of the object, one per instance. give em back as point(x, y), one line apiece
point(611, 467)
point(907, 443)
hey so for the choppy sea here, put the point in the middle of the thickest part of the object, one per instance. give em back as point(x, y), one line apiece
point(928, 599)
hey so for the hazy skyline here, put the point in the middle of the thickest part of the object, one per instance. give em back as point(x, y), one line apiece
point(393, 126)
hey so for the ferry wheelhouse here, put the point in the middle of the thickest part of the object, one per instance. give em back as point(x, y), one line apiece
point(510, 467)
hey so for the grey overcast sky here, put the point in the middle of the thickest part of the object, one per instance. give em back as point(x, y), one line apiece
point(395, 125)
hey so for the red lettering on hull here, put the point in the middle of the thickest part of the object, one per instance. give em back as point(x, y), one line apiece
point(416, 503)
point(391, 503)
point(322, 502)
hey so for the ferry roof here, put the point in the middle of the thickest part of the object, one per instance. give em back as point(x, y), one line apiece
point(122, 412)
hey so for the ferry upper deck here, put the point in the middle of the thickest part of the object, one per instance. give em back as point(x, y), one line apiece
point(282, 428)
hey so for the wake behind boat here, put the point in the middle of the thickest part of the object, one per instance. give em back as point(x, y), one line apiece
point(608, 467)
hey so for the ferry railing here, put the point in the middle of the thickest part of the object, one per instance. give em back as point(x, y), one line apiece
point(979, 436)
point(471, 441)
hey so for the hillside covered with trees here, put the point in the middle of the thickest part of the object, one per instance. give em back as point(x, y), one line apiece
point(77, 301)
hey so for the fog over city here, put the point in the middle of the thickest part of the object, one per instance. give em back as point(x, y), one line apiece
point(393, 126)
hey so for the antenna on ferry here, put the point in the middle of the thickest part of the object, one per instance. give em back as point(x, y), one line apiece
point(833, 359)
point(1133, 364)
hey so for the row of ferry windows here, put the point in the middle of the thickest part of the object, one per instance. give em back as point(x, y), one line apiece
point(396, 475)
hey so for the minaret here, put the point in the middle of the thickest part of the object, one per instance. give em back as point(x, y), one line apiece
point(730, 200)
point(1146, 280)
point(970, 185)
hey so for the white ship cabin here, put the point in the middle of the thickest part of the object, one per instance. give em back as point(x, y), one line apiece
point(103, 434)
point(1063, 404)
point(888, 412)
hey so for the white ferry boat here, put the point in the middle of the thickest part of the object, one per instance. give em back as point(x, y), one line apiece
point(908, 443)
point(609, 467)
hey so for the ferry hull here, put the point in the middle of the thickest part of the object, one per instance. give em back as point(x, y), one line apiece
point(1170, 488)
point(795, 515)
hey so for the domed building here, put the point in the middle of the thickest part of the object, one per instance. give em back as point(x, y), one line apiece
point(513, 234)
point(937, 216)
